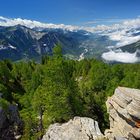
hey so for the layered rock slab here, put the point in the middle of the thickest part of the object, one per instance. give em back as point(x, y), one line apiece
point(124, 114)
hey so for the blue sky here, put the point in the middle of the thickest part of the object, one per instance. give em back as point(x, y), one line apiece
point(74, 12)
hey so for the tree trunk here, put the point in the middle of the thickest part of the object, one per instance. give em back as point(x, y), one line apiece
point(40, 120)
point(40, 128)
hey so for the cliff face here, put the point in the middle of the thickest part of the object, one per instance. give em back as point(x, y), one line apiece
point(124, 114)
point(79, 128)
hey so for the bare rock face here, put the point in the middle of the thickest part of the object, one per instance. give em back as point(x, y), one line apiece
point(10, 123)
point(79, 128)
point(124, 114)
point(2, 118)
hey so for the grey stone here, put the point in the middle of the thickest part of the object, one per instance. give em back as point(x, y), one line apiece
point(10, 123)
point(14, 114)
point(2, 118)
point(124, 114)
point(80, 128)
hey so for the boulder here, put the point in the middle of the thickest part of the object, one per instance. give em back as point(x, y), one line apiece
point(124, 114)
point(79, 128)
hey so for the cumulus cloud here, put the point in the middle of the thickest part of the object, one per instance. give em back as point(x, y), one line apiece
point(32, 24)
point(124, 24)
point(124, 57)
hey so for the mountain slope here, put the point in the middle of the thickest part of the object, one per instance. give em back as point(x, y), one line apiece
point(19, 42)
point(132, 47)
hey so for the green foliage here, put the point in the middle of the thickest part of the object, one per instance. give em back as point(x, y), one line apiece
point(4, 104)
point(59, 89)
point(57, 51)
point(99, 75)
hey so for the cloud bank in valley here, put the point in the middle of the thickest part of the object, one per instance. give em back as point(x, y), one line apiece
point(124, 57)
point(123, 37)
point(123, 34)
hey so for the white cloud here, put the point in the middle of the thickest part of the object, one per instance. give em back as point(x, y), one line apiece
point(127, 40)
point(32, 24)
point(124, 57)
point(127, 24)
point(124, 35)
point(104, 20)
point(122, 25)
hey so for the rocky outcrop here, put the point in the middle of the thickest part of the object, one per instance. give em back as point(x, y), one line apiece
point(79, 128)
point(124, 114)
point(10, 123)
point(2, 118)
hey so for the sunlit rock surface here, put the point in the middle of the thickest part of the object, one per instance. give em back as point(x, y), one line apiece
point(124, 114)
point(79, 128)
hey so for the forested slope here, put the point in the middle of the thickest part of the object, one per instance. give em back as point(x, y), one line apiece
point(59, 89)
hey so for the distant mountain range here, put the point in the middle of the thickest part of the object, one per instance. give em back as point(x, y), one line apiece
point(19, 42)
point(23, 42)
